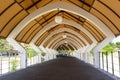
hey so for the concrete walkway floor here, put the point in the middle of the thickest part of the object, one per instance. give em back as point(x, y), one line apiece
point(64, 68)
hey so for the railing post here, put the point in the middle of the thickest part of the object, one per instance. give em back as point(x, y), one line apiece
point(37, 50)
point(102, 60)
point(96, 59)
point(119, 60)
point(112, 63)
point(23, 59)
point(99, 60)
point(107, 61)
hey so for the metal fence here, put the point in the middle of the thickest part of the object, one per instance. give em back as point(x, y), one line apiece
point(110, 62)
point(9, 61)
point(33, 60)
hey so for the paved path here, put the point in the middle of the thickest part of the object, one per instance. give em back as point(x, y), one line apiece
point(65, 68)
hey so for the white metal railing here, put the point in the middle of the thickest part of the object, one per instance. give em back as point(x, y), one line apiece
point(110, 62)
point(9, 62)
point(33, 60)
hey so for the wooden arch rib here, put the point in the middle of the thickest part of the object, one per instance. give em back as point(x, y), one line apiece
point(41, 39)
point(67, 47)
point(48, 43)
point(68, 38)
point(62, 41)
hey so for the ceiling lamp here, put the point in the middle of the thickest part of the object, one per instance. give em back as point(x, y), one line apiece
point(66, 42)
point(64, 36)
point(58, 19)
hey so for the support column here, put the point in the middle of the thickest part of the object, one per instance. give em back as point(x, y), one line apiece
point(54, 53)
point(37, 50)
point(77, 54)
point(83, 53)
point(89, 48)
point(46, 55)
point(96, 59)
point(21, 50)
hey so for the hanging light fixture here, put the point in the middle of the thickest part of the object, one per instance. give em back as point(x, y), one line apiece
point(58, 19)
point(66, 42)
point(64, 36)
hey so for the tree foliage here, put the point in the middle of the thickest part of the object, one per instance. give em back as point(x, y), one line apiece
point(111, 47)
point(4, 45)
point(13, 65)
point(108, 48)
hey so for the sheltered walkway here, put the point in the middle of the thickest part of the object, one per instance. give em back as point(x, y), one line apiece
point(83, 26)
point(63, 68)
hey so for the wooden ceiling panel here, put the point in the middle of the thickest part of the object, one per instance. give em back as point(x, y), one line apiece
point(44, 24)
point(43, 3)
point(61, 33)
point(113, 5)
point(106, 21)
point(29, 32)
point(67, 26)
point(10, 26)
point(42, 20)
point(96, 30)
point(108, 13)
point(82, 19)
point(89, 1)
point(32, 9)
point(67, 17)
point(50, 21)
point(19, 1)
point(73, 18)
point(39, 18)
point(35, 0)
point(86, 37)
point(33, 34)
point(24, 31)
point(87, 8)
point(9, 14)
point(92, 32)
point(46, 43)
point(41, 38)
point(49, 15)
point(4, 4)
point(26, 3)
point(76, 2)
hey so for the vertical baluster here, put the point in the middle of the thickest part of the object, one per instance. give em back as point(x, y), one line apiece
point(119, 60)
point(99, 60)
point(8, 54)
point(112, 63)
point(102, 60)
point(15, 55)
point(1, 63)
point(107, 60)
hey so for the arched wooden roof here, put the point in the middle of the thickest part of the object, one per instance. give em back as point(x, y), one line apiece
point(12, 12)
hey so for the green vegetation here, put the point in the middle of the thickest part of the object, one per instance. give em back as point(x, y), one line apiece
point(4, 45)
point(93, 49)
point(108, 48)
point(66, 51)
point(111, 47)
point(42, 59)
point(13, 65)
point(31, 52)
